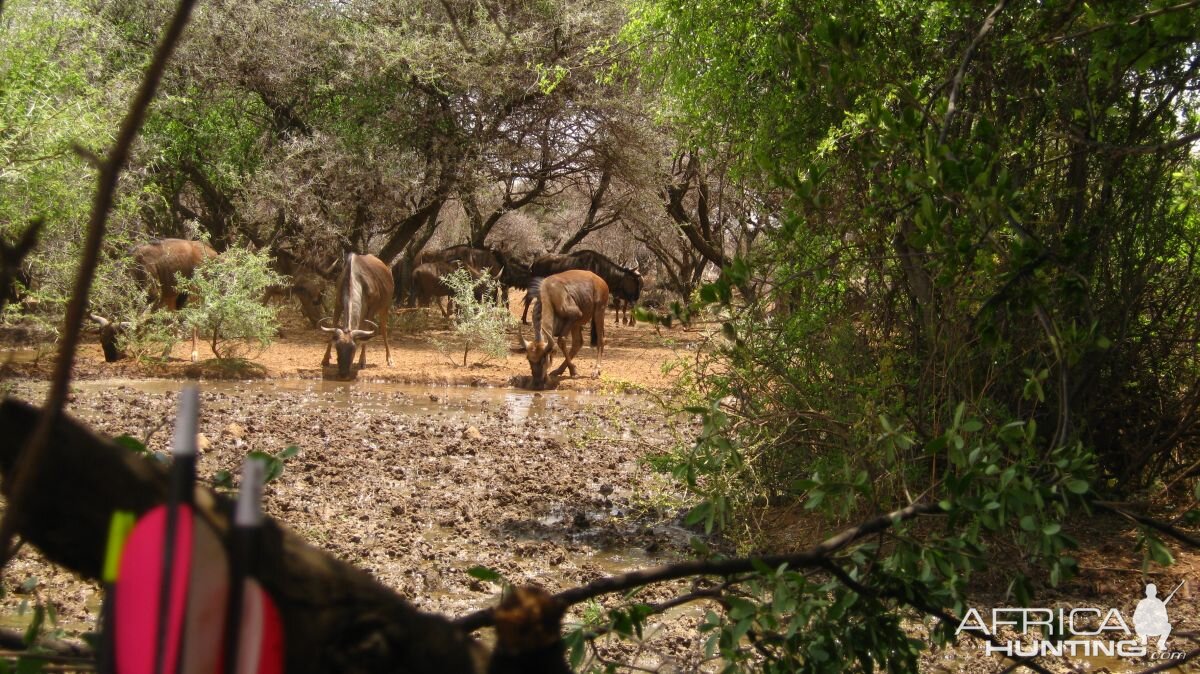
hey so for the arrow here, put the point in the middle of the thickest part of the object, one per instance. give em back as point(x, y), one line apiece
point(172, 582)
point(253, 630)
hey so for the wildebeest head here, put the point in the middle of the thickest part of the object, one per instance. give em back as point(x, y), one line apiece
point(345, 342)
point(110, 334)
point(541, 356)
point(541, 352)
point(630, 287)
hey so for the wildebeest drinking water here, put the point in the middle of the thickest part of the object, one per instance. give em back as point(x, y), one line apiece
point(561, 303)
point(155, 266)
point(364, 289)
point(624, 284)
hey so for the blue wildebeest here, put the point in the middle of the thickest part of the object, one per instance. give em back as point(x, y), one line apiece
point(413, 278)
point(364, 289)
point(624, 284)
point(564, 302)
point(427, 284)
point(155, 266)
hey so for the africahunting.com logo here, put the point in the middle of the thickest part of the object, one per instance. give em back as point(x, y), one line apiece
point(1077, 632)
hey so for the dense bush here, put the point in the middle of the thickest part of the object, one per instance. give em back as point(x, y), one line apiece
point(982, 290)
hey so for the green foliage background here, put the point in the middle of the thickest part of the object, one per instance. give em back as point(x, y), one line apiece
point(981, 293)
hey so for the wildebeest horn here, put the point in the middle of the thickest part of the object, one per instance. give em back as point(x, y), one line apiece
point(320, 324)
point(365, 333)
point(521, 336)
point(99, 319)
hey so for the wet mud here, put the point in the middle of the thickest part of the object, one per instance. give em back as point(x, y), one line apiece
point(416, 485)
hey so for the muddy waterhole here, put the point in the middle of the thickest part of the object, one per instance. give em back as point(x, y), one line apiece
point(417, 484)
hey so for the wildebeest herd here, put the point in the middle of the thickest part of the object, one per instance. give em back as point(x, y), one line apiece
point(565, 292)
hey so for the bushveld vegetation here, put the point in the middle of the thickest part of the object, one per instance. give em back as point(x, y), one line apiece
point(951, 247)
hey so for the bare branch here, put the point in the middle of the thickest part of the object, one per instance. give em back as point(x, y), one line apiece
point(1132, 22)
point(812, 557)
point(1162, 527)
point(956, 85)
point(25, 472)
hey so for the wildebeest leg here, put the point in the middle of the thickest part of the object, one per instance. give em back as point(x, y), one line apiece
point(562, 348)
point(362, 356)
point(525, 313)
point(383, 327)
point(576, 343)
point(598, 329)
point(328, 348)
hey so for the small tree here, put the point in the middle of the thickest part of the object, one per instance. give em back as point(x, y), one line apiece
point(479, 321)
point(226, 305)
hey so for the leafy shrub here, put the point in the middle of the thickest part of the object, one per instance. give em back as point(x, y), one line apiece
point(479, 322)
point(225, 302)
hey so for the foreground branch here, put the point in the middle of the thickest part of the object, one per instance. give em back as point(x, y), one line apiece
point(32, 462)
point(336, 618)
point(810, 558)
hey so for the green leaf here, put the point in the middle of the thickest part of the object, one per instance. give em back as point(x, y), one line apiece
point(1160, 553)
point(575, 642)
point(1077, 486)
point(34, 629)
point(485, 574)
point(131, 443)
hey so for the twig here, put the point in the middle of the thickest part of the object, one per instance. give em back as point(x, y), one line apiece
point(956, 85)
point(1132, 22)
point(12, 644)
point(1167, 529)
point(812, 557)
point(929, 609)
point(1119, 150)
point(662, 607)
point(29, 462)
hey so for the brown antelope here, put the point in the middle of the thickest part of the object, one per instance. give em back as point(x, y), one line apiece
point(364, 289)
point(624, 284)
point(156, 265)
point(564, 302)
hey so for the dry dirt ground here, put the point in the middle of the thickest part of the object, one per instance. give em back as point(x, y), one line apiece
point(424, 351)
point(416, 482)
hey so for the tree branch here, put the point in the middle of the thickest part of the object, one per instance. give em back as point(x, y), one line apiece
point(27, 470)
point(812, 557)
point(1162, 527)
point(956, 84)
point(337, 618)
